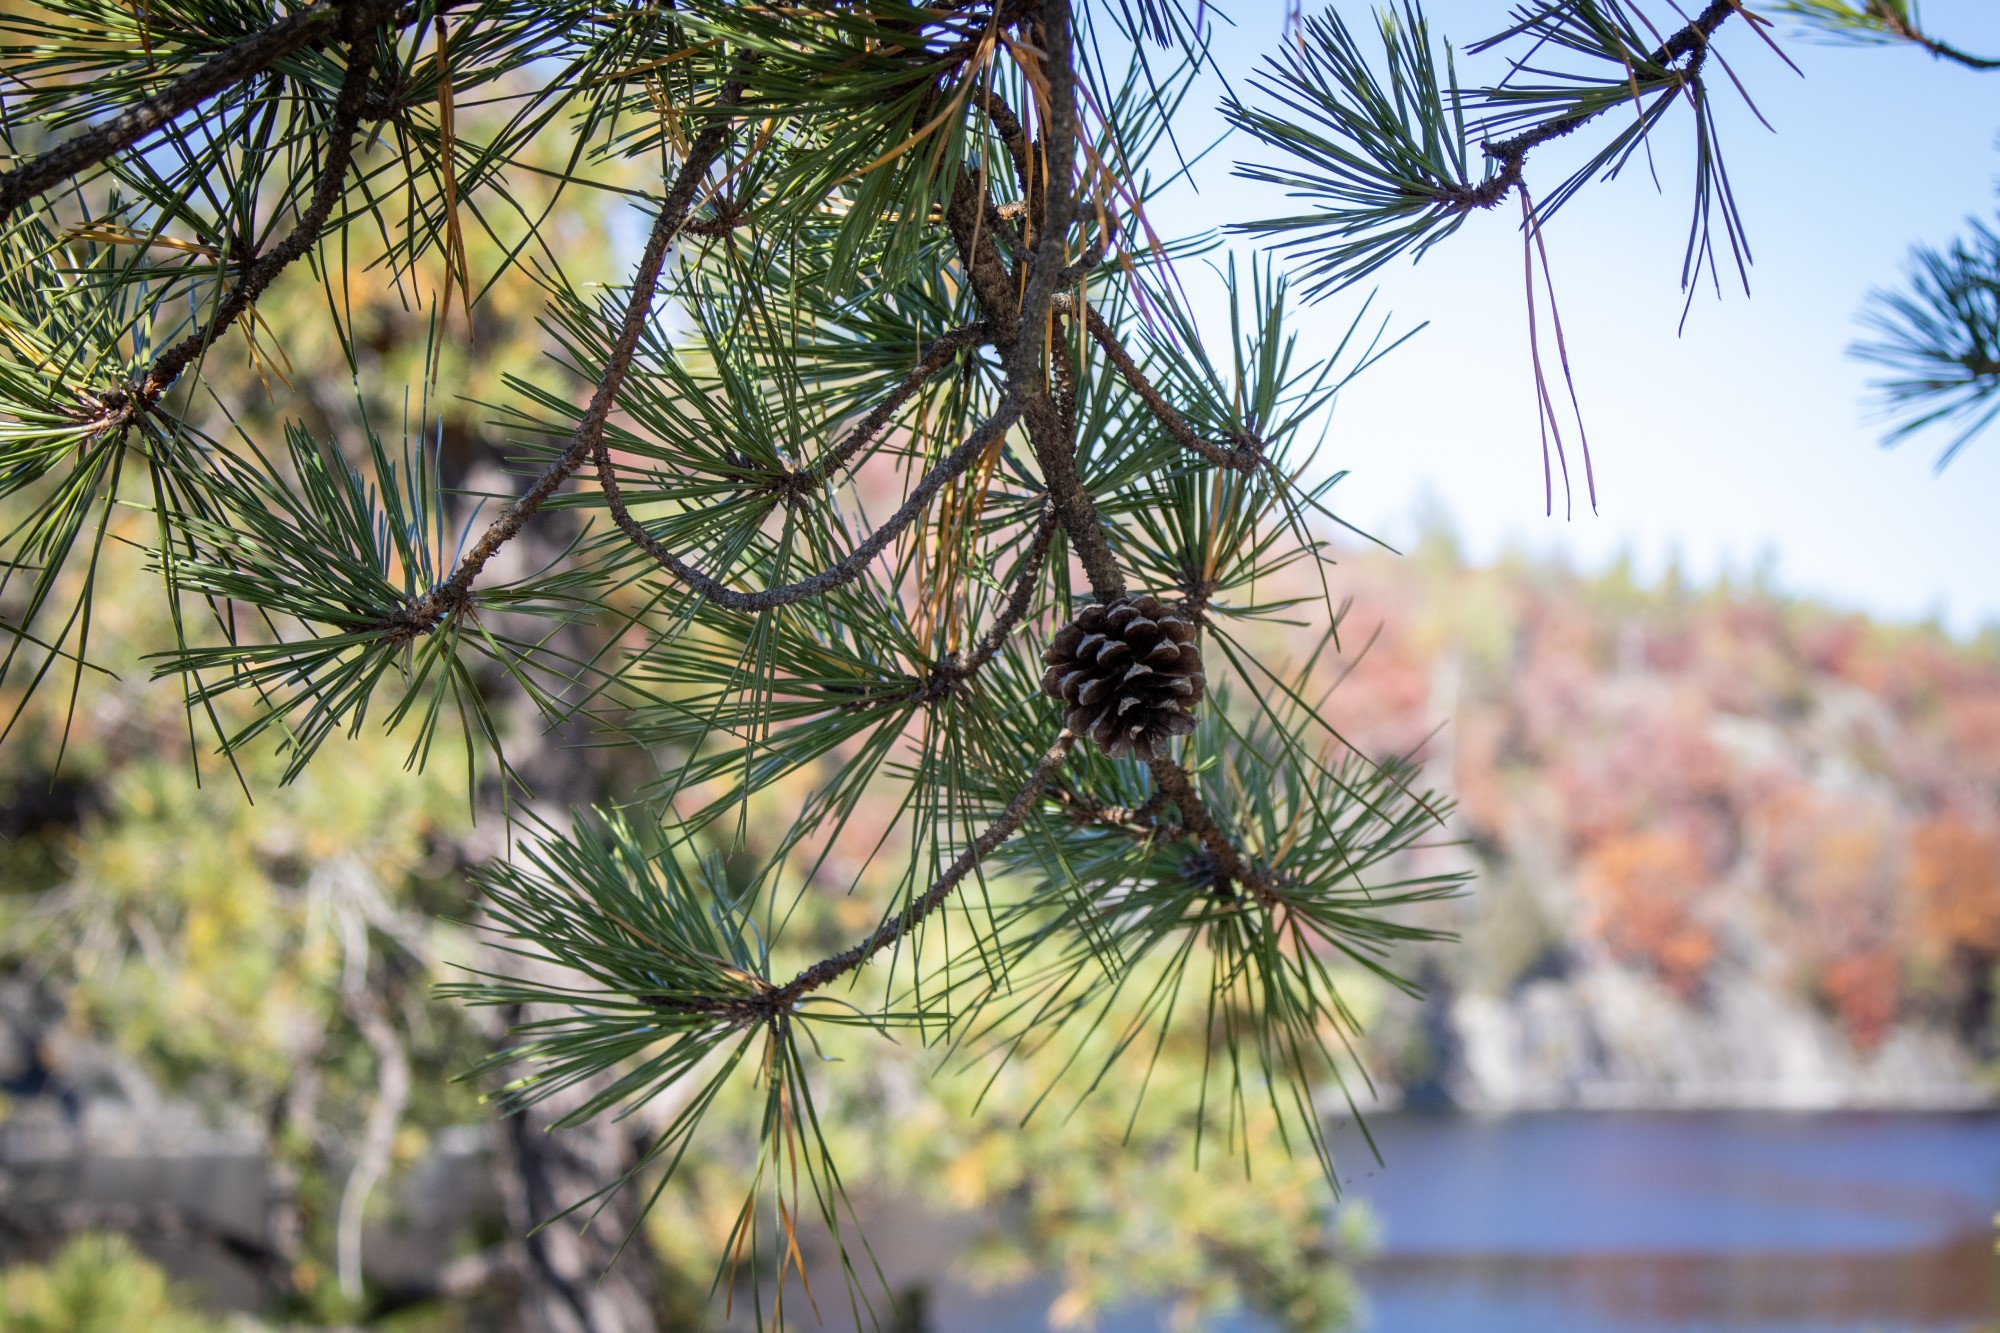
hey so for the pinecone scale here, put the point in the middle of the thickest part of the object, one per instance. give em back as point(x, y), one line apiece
point(1129, 673)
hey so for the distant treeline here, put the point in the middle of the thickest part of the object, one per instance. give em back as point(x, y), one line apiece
point(1703, 769)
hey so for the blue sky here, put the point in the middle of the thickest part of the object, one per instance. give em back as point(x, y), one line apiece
point(1740, 444)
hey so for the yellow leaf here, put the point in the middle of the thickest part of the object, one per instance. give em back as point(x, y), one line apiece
point(1072, 1309)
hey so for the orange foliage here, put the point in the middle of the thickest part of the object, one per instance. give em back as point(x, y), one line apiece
point(1642, 888)
point(1834, 860)
point(1973, 718)
point(1843, 873)
point(1955, 886)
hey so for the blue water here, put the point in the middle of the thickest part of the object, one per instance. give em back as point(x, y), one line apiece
point(1695, 1222)
point(1616, 1223)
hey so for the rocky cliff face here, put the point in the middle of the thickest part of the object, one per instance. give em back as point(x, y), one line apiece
point(1611, 1038)
point(1733, 850)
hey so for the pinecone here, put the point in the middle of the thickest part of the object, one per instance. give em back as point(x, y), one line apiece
point(1129, 671)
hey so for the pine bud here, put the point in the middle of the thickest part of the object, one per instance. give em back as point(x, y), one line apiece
point(1129, 671)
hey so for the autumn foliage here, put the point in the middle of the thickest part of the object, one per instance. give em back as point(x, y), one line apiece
point(1955, 886)
point(1643, 890)
point(1710, 776)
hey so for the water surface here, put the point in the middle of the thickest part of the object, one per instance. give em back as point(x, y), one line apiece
point(1700, 1222)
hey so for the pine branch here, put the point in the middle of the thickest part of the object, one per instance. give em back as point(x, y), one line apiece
point(828, 970)
point(1384, 152)
point(1242, 456)
point(1050, 431)
point(1020, 325)
point(1230, 867)
point(873, 200)
point(240, 62)
point(1008, 126)
point(836, 576)
point(1025, 358)
point(1881, 21)
point(1019, 598)
point(451, 596)
point(994, 286)
point(935, 358)
point(1690, 43)
point(1052, 435)
point(764, 1003)
point(1053, 438)
point(946, 677)
point(1940, 339)
point(1141, 822)
point(120, 409)
point(1092, 256)
point(1946, 51)
point(1055, 450)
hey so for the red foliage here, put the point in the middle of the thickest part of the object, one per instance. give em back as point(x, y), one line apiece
point(1648, 763)
point(1863, 988)
point(1642, 889)
point(1832, 861)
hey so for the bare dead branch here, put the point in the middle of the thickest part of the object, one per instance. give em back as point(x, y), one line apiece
point(385, 1111)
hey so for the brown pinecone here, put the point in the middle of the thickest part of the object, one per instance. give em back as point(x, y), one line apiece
point(1129, 671)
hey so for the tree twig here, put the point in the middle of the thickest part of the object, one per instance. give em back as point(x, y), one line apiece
point(1243, 456)
point(1087, 262)
point(224, 70)
point(994, 289)
point(827, 970)
point(1142, 822)
point(385, 1112)
point(1008, 126)
point(143, 393)
point(1026, 357)
point(1897, 26)
point(1512, 154)
point(994, 286)
point(1019, 598)
point(1230, 867)
point(935, 358)
point(835, 576)
point(449, 597)
point(947, 675)
point(1051, 239)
